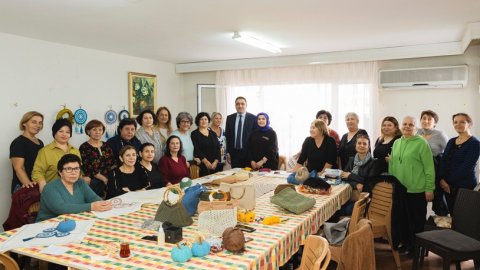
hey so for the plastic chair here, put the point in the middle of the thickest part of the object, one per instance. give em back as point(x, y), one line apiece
point(8, 262)
point(460, 243)
point(380, 213)
point(316, 255)
point(358, 250)
point(194, 171)
point(358, 213)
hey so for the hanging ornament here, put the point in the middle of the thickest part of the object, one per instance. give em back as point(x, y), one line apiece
point(110, 120)
point(123, 114)
point(80, 117)
point(65, 113)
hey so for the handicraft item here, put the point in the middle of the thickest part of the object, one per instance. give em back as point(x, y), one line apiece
point(80, 117)
point(110, 120)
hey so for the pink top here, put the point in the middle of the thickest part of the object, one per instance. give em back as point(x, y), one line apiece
point(173, 171)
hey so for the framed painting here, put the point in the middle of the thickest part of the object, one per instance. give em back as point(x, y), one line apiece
point(142, 92)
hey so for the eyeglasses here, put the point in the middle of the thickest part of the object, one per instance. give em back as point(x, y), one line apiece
point(70, 169)
point(185, 121)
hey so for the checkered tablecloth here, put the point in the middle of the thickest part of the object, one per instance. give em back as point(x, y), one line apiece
point(272, 245)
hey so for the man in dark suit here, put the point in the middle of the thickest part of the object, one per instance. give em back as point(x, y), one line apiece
point(238, 127)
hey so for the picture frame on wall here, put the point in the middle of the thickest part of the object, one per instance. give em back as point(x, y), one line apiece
point(142, 92)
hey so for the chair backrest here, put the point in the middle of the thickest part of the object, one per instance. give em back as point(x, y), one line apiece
point(380, 208)
point(466, 218)
point(358, 212)
point(8, 262)
point(316, 254)
point(358, 250)
point(194, 171)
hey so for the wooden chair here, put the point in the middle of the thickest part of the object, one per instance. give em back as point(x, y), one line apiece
point(282, 162)
point(194, 171)
point(460, 243)
point(316, 255)
point(358, 213)
point(8, 262)
point(358, 249)
point(380, 213)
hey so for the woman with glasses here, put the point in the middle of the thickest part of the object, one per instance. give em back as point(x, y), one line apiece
point(69, 194)
point(184, 122)
point(129, 176)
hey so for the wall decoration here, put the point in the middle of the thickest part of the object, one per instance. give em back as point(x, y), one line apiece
point(142, 92)
point(80, 117)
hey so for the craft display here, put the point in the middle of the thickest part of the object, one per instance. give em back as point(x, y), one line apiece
point(65, 113)
point(192, 197)
point(214, 221)
point(123, 114)
point(110, 120)
point(80, 118)
point(181, 253)
point(292, 201)
point(175, 213)
point(61, 230)
point(233, 240)
point(200, 248)
point(243, 193)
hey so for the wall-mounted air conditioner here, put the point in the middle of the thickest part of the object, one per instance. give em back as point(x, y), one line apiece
point(431, 77)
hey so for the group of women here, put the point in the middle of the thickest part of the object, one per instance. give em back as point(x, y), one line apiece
point(428, 165)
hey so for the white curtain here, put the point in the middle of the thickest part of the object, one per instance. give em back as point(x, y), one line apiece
point(291, 96)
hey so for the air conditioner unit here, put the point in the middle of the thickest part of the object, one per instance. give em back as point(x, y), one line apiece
point(431, 77)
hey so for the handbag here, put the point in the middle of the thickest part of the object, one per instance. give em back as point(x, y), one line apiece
point(192, 197)
point(243, 193)
point(283, 186)
point(213, 219)
point(292, 201)
point(216, 204)
point(173, 213)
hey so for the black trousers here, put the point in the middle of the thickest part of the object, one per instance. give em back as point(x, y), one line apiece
point(413, 217)
point(239, 158)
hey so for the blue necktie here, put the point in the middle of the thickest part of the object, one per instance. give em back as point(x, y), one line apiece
point(238, 140)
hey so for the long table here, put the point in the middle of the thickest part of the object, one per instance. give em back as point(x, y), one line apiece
point(272, 245)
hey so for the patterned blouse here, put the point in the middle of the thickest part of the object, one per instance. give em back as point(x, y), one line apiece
point(96, 160)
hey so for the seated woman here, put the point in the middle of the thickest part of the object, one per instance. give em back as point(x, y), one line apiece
point(44, 168)
point(147, 154)
point(263, 145)
point(359, 167)
point(319, 150)
point(205, 145)
point(173, 164)
point(69, 194)
point(129, 176)
point(97, 156)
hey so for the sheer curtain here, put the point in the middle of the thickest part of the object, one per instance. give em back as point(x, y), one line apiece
point(291, 96)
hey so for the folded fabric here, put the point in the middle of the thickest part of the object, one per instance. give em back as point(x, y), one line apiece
point(292, 201)
point(318, 183)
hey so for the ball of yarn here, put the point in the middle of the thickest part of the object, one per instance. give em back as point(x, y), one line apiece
point(185, 183)
point(233, 240)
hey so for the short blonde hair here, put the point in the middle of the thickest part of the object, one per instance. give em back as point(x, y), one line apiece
point(26, 117)
point(321, 126)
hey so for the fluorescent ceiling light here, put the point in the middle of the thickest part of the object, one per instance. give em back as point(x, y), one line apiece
point(256, 42)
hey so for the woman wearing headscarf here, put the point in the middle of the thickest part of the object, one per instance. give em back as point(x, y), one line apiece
point(263, 145)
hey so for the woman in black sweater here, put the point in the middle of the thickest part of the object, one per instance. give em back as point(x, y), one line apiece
point(263, 145)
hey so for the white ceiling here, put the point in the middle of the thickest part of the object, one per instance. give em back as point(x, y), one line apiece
point(186, 31)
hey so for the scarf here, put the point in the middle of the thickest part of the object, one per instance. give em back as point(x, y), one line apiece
point(267, 126)
point(357, 163)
